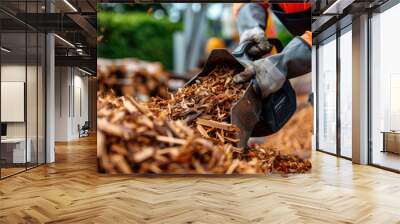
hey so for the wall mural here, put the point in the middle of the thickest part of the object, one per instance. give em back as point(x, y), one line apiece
point(197, 88)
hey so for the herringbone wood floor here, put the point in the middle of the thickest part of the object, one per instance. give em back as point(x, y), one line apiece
point(71, 191)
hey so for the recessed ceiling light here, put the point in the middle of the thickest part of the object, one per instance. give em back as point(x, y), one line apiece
point(84, 71)
point(64, 40)
point(70, 5)
point(337, 7)
point(5, 50)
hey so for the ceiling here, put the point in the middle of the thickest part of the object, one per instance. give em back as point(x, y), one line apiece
point(74, 22)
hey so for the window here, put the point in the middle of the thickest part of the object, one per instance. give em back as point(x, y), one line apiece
point(385, 89)
point(327, 96)
point(346, 95)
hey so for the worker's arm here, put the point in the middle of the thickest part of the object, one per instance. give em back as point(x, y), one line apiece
point(251, 22)
point(249, 16)
point(271, 72)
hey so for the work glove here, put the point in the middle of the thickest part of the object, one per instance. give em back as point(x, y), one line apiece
point(270, 73)
point(254, 43)
point(251, 25)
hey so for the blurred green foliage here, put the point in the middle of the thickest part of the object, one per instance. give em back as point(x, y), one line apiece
point(136, 34)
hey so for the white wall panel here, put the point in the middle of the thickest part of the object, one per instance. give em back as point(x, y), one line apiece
point(12, 101)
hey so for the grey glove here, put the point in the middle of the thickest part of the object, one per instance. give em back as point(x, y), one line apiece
point(270, 73)
point(253, 43)
point(251, 25)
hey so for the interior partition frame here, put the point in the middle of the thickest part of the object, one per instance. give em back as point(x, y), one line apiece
point(44, 77)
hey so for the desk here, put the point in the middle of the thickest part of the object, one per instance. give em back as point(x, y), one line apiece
point(391, 141)
point(13, 150)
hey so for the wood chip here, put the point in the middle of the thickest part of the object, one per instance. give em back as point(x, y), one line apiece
point(218, 125)
point(220, 137)
point(232, 167)
point(171, 140)
point(202, 131)
point(121, 163)
point(143, 154)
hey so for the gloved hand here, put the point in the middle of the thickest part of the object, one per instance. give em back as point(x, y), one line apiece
point(251, 24)
point(271, 72)
point(255, 43)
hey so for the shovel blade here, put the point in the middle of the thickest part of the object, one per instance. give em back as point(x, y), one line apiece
point(245, 114)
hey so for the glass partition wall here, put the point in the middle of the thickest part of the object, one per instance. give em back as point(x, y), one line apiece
point(13, 85)
point(22, 98)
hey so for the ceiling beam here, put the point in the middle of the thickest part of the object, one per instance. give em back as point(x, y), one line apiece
point(77, 61)
point(86, 26)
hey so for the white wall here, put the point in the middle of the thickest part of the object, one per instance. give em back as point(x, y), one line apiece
point(12, 73)
point(61, 103)
point(71, 93)
point(81, 94)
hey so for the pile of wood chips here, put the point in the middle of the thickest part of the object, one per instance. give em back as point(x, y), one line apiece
point(131, 139)
point(131, 77)
point(188, 133)
point(295, 137)
point(205, 105)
